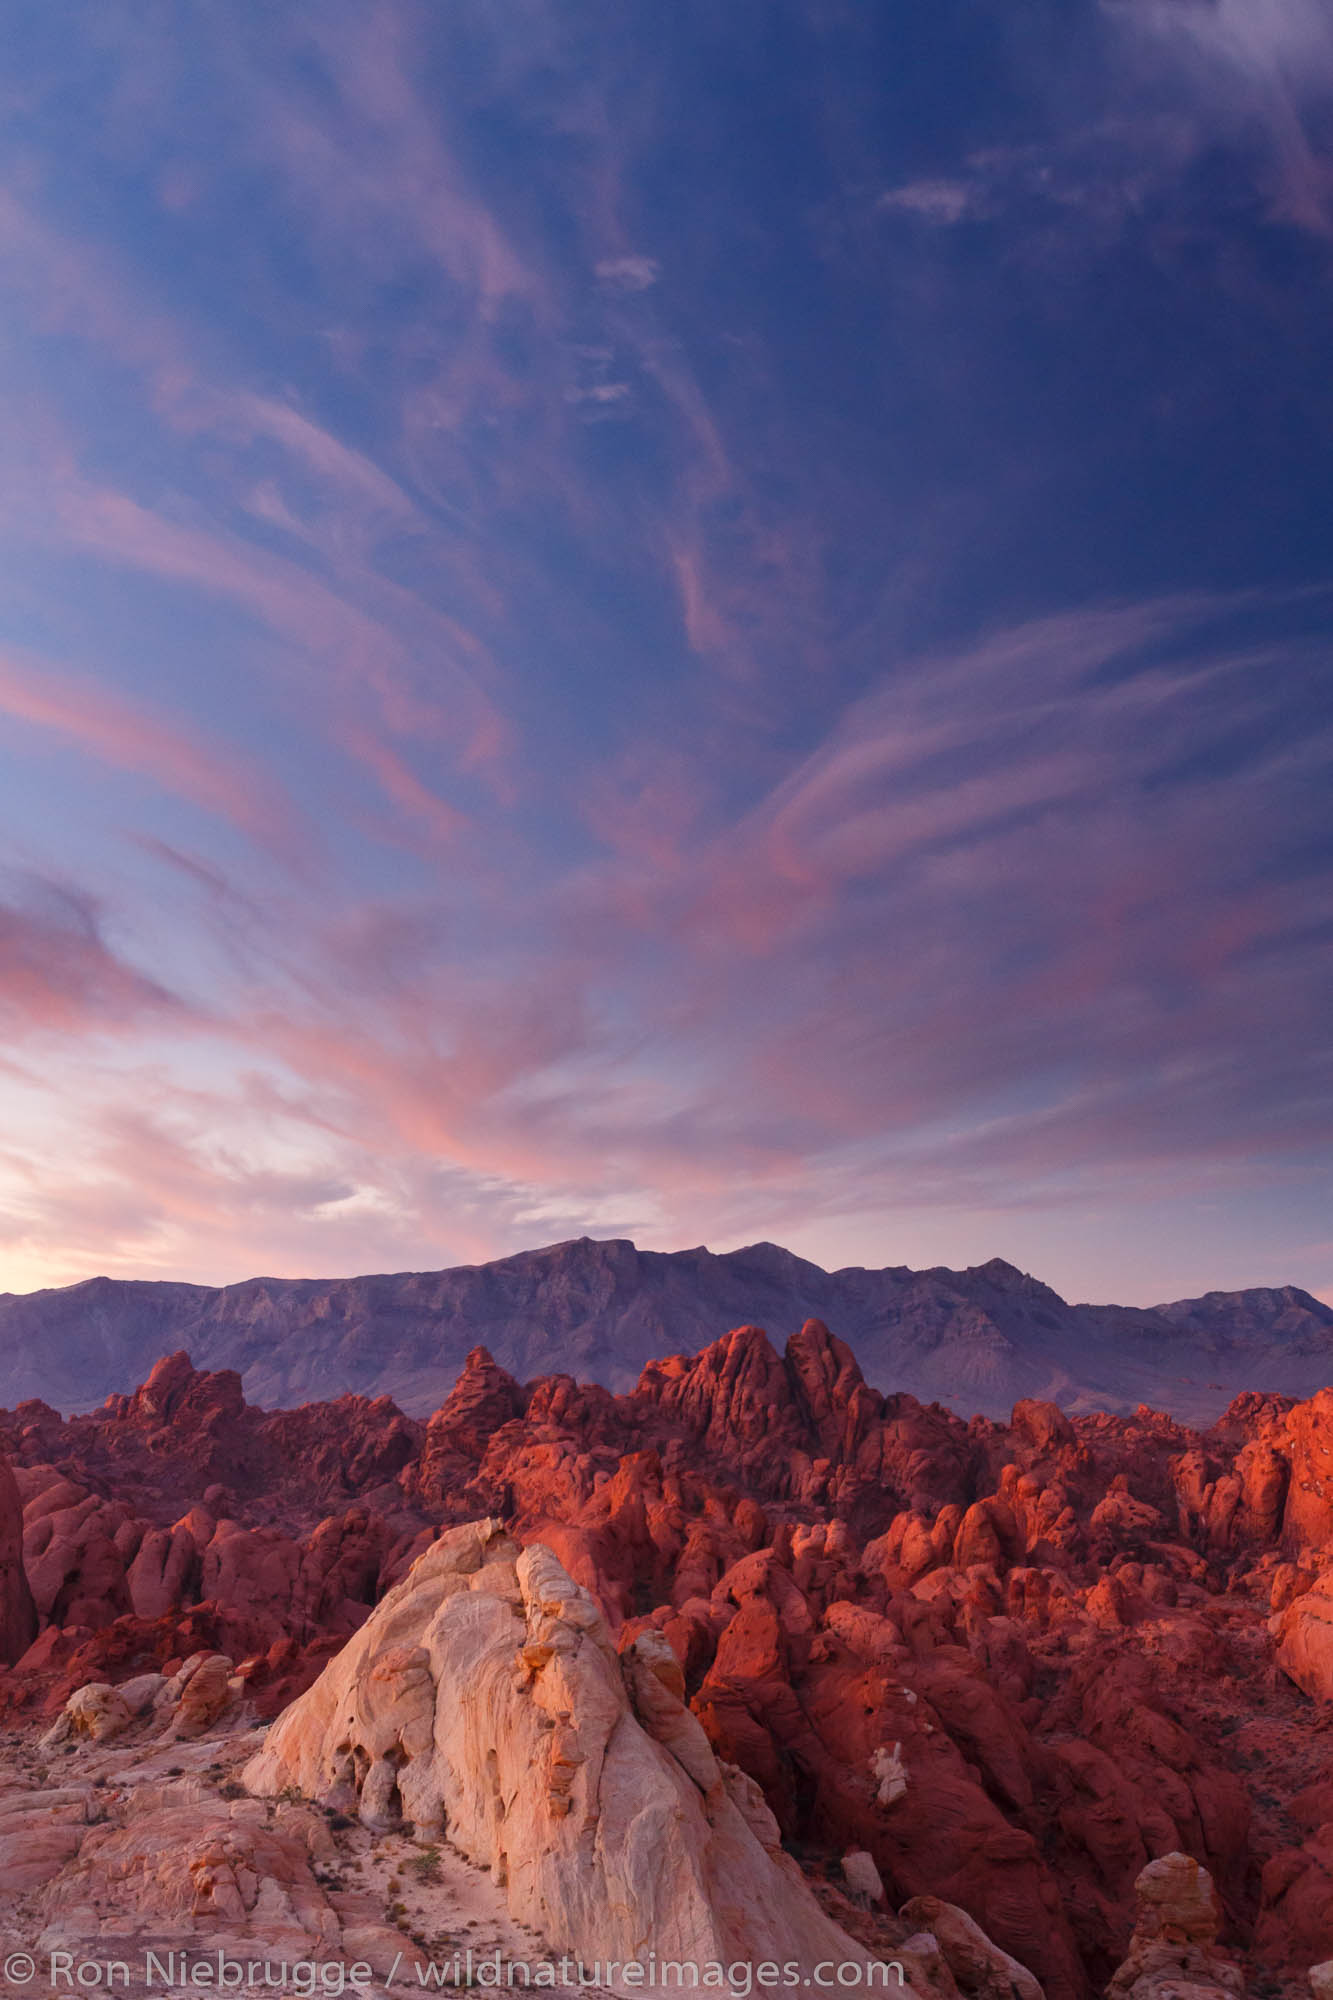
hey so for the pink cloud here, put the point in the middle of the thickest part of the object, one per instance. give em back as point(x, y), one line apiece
point(336, 501)
point(922, 960)
point(78, 288)
point(123, 736)
point(323, 627)
point(58, 975)
point(404, 788)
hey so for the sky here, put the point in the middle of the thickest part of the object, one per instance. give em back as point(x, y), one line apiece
point(697, 623)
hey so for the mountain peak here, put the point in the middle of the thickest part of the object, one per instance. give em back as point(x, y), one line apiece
point(601, 1310)
point(1007, 1277)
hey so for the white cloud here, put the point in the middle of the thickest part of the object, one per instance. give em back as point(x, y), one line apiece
point(600, 392)
point(1239, 72)
point(629, 274)
point(942, 202)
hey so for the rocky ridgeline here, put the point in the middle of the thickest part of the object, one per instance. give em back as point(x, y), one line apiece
point(979, 1339)
point(1018, 1688)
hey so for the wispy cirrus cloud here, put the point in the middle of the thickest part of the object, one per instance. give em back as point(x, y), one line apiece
point(600, 591)
point(630, 273)
point(59, 976)
point(943, 202)
point(1189, 77)
point(948, 929)
point(940, 963)
point(1266, 65)
point(127, 738)
point(359, 644)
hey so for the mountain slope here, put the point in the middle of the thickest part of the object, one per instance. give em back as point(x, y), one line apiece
point(976, 1339)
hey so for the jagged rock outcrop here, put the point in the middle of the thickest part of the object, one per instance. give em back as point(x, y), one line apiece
point(978, 1339)
point(484, 1697)
point(1173, 1951)
point(982, 1970)
point(481, 1402)
point(1308, 1439)
point(18, 1613)
point(1303, 1630)
point(1007, 1663)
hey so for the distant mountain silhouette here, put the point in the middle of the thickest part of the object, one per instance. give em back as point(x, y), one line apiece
point(977, 1339)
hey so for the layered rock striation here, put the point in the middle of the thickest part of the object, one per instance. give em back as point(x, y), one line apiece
point(484, 1701)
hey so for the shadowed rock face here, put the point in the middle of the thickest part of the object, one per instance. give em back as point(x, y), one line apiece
point(979, 1339)
point(1008, 1665)
point(18, 1614)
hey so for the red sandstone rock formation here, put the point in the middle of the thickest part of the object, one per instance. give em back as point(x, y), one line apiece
point(1014, 1664)
point(18, 1614)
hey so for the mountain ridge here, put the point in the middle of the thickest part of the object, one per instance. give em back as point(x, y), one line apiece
point(601, 1309)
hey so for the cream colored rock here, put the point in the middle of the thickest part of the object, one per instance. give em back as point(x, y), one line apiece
point(657, 1691)
point(186, 1705)
point(1172, 1953)
point(181, 1863)
point(982, 1970)
point(925, 1966)
point(140, 1694)
point(483, 1697)
point(93, 1713)
point(1321, 1980)
point(1176, 1900)
point(861, 1875)
point(890, 1774)
point(200, 1693)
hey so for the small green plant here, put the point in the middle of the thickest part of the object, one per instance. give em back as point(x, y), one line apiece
point(426, 1865)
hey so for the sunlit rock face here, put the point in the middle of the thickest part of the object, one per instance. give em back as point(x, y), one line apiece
point(1008, 1664)
point(484, 1700)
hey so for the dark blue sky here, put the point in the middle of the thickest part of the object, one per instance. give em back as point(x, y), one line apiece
point(702, 623)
